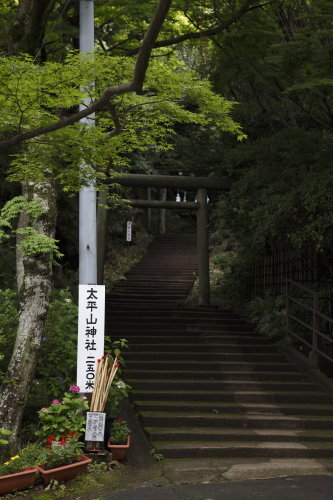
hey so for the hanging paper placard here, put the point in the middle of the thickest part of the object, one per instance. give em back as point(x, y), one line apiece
point(95, 426)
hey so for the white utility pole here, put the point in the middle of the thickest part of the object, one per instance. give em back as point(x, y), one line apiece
point(87, 196)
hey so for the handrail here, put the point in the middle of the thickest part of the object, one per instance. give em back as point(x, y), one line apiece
point(316, 314)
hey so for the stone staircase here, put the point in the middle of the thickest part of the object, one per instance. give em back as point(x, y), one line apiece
point(204, 383)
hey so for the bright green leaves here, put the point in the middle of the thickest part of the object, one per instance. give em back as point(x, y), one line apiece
point(33, 243)
point(33, 96)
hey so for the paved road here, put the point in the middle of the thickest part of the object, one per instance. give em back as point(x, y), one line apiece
point(291, 488)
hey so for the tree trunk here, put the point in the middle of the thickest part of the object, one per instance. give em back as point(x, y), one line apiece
point(28, 29)
point(34, 273)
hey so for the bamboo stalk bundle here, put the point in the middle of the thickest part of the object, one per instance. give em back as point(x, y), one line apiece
point(106, 370)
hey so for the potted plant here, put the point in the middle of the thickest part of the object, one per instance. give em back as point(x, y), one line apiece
point(61, 417)
point(64, 461)
point(19, 472)
point(120, 439)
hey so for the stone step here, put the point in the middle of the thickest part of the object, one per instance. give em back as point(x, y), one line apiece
point(191, 323)
point(213, 375)
point(247, 408)
point(266, 421)
point(203, 339)
point(132, 332)
point(177, 328)
point(200, 434)
point(273, 397)
point(203, 348)
point(195, 357)
point(220, 385)
point(204, 383)
point(209, 365)
point(151, 313)
point(219, 449)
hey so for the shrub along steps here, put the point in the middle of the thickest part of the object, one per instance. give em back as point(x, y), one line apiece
point(204, 383)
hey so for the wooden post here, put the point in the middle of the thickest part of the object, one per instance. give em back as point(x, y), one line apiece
point(149, 211)
point(203, 249)
point(162, 214)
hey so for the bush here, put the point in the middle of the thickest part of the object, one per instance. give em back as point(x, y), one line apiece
point(268, 314)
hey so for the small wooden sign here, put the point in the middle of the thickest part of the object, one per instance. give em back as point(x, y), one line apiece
point(129, 231)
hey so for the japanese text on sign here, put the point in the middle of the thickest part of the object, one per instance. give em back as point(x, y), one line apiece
point(129, 231)
point(90, 346)
point(95, 425)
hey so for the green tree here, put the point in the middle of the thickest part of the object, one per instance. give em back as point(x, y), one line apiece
point(49, 145)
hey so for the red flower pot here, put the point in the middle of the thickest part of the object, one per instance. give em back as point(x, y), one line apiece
point(119, 450)
point(65, 472)
point(18, 481)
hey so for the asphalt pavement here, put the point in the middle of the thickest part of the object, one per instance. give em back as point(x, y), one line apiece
point(290, 488)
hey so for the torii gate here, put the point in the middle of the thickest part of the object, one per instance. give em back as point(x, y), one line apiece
point(184, 183)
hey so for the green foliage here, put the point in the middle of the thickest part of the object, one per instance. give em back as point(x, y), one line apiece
point(95, 467)
point(29, 457)
point(119, 390)
point(268, 314)
point(56, 368)
point(282, 197)
point(9, 320)
point(31, 96)
point(4, 432)
point(119, 431)
point(231, 288)
point(65, 452)
point(157, 456)
point(223, 261)
point(32, 243)
point(63, 417)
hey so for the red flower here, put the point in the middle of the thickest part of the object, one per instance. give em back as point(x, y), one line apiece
point(120, 419)
point(63, 437)
point(50, 439)
point(76, 435)
point(71, 434)
point(48, 447)
point(62, 442)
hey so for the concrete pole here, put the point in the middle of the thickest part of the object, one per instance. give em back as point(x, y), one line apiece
point(203, 249)
point(87, 196)
point(102, 215)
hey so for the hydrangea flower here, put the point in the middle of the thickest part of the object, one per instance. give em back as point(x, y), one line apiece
point(74, 388)
point(55, 402)
point(121, 384)
point(43, 409)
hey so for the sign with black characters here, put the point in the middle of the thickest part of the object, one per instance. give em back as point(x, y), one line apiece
point(90, 343)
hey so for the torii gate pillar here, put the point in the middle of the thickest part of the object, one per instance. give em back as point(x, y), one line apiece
point(203, 248)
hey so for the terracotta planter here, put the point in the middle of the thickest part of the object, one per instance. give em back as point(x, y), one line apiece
point(65, 472)
point(119, 450)
point(18, 481)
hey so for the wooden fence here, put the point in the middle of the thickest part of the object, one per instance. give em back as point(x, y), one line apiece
point(271, 272)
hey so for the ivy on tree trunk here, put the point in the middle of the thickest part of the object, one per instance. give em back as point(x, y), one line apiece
point(34, 274)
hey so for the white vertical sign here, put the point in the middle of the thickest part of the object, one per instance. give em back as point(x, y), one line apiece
point(90, 342)
point(129, 231)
